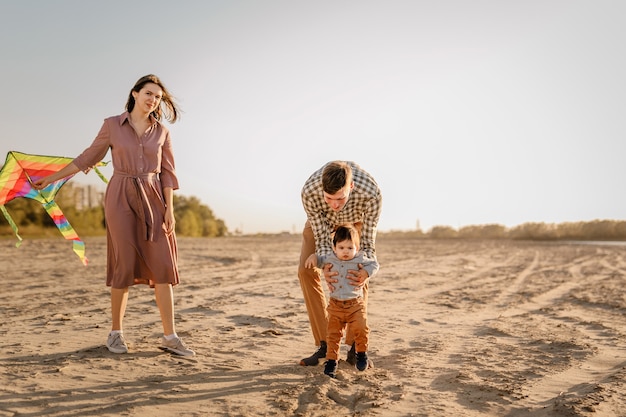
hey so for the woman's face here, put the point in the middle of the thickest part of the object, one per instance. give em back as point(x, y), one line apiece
point(148, 98)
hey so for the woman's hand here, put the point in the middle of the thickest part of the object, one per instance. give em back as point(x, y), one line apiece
point(169, 222)
point(41, 183)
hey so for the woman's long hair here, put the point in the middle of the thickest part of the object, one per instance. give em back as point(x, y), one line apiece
point(167, 107)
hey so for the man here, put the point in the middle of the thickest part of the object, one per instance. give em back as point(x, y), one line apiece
point(337, 194)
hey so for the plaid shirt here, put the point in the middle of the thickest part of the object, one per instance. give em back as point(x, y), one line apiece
point(363, 206)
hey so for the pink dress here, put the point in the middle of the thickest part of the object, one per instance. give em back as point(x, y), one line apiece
point(138, 250)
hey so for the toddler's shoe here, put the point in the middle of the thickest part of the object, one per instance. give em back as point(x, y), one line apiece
point(361, 361)
point(330, 368)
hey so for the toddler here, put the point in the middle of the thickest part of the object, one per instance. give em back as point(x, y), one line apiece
point(346, 304)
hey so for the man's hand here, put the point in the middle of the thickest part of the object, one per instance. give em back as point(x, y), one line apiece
point(357, 278)
point(329, 276)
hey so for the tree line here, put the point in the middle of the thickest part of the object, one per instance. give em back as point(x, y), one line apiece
point(82, 206)
point(599, 230)
point(84, 209)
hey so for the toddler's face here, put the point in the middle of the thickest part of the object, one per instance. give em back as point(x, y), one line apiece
point(345, 250)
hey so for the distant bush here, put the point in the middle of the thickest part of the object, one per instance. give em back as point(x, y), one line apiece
point(488, 231)
point(534, 231)
point(195, 219)
point(443, 232)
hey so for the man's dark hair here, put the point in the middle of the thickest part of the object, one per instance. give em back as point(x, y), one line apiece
point(335, 176)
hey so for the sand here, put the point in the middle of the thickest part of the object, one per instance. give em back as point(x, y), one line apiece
point(459, 328)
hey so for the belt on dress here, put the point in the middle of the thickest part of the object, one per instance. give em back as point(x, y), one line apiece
point(140, 190)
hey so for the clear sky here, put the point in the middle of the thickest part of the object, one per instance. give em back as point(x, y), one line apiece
point(466, 112)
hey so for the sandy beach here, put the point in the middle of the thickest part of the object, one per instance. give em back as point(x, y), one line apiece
point(459, 328)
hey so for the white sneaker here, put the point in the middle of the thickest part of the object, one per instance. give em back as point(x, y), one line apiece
point(176, 346)
point(116, 343)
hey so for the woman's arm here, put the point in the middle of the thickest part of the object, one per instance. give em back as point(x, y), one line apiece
point(169, 221)
point(66, 171)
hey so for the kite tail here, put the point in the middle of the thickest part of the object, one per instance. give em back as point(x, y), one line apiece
point(102, 177)
point(12, 224)
point(66, 229)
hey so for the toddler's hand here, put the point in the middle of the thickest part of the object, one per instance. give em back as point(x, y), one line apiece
point(311, 261)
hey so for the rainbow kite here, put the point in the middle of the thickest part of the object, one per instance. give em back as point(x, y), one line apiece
point(17, 176)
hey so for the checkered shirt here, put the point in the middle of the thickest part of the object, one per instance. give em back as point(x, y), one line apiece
point(364, 205)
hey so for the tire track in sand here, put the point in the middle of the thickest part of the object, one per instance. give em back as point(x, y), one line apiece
point(575, 387)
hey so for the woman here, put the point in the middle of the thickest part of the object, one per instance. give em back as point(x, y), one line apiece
point(138, 206)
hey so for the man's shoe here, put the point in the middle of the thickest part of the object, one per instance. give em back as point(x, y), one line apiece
point(330, 368)
point(176, 346)
point(314, 359)
point(116, 343)
point(361, 361)
point(351, 358)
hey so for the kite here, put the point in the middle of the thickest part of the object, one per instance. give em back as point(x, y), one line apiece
point(17, 176)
